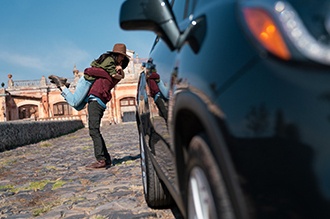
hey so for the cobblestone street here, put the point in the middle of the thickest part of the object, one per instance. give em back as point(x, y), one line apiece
point(48, 180)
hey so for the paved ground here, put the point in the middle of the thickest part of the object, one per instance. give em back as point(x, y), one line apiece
point(48, 179)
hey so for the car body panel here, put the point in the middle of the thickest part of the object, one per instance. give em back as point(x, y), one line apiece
point(278, 135)
point(267, 119)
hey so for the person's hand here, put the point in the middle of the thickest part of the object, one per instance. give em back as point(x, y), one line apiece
point(118, 67)
point(120, 71)
point(117, 76)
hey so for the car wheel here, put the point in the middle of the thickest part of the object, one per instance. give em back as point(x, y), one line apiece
point(207, 195)
point(143, 163)
point(155, 193)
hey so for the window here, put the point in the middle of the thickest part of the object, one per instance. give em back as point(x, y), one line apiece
point(128, 101)
point(62, 109)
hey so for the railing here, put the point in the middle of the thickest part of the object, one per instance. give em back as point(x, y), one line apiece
point(27, 83)
point(43, 82)
point(33, 83)
point(61, 118)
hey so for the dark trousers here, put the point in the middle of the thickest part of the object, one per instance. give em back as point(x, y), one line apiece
point(160, 103)
point(95, 114)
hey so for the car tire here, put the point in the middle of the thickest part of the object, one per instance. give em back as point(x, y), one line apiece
point(155, 192)
point(207, 195)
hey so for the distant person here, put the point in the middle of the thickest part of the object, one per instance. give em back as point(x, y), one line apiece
point(95, 88)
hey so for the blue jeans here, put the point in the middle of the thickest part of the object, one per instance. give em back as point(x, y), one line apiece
point(78, 99)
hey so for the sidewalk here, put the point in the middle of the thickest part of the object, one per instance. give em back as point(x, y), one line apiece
point(48, 180)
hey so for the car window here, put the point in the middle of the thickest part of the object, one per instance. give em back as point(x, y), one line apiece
point(191, 4)
point(179, 10)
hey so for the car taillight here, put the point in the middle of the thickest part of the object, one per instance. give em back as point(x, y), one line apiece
point(300, 36)
point(266, 32)
point(271, 24)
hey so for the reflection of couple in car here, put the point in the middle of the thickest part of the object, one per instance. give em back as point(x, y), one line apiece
point(156, 89)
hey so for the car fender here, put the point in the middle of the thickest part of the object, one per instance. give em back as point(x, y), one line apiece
point(201, 109)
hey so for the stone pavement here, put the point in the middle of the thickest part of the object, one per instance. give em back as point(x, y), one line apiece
point(48, 180)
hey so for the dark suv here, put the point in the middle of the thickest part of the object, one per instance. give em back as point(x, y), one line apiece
point(234, 115)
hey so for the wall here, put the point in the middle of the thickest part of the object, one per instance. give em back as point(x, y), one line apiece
point(15, 134)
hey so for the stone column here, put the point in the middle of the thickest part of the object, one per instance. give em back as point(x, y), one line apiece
point(3, 107)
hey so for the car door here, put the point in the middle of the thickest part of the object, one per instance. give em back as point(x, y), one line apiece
point(167, 64)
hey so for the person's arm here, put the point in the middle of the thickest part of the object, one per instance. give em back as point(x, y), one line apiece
point(108, 65)
point(97, 73)
point(155, 76)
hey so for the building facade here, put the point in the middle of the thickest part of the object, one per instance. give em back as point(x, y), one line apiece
point(40, 100)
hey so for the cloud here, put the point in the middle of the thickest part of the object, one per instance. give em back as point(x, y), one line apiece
point(65, 57)
point(25, 61)
point(59, 57)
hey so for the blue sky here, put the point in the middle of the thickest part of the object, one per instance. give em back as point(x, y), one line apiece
point(40, 37)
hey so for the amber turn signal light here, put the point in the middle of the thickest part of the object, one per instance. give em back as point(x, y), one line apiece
point(266, 32)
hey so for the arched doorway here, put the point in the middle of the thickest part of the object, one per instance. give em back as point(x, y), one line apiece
point(28, 111)
point(127, 107)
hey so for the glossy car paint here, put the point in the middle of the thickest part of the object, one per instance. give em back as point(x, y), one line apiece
point(267, 119)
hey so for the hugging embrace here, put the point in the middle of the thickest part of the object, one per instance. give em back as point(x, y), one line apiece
point(94, 88)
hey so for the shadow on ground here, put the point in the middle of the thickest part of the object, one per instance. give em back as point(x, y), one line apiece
point(124, 159)
point(116, 161)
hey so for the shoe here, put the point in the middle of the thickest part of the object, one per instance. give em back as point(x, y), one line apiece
point(63, 80)
point(97, 165)
point(66, 84)
point(59, 82)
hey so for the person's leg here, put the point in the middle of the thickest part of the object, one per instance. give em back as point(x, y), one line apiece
point(77, 98)
point(163, 89)
point(160, 103)
point(95, 114)
point(80, 106)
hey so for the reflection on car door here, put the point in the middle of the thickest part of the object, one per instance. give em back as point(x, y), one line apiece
point(167, 63)
point(160, 138)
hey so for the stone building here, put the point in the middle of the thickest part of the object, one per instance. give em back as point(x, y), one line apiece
point(40, 100)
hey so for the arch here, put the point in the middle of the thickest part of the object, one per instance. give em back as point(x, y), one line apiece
point(127, 101)
point(28, 111)
point(28, 102)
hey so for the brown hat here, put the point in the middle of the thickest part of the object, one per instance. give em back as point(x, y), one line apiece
point(120, 48)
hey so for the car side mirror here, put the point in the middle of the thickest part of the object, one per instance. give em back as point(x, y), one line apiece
point(152, 15)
